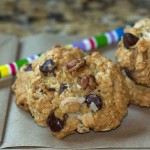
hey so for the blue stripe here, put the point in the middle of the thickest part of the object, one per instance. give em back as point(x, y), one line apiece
point(120, 32)
point(80, 45)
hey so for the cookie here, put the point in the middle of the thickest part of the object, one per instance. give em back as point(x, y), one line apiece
point(133, 54)
point(71, 92)
point(21, 86)
point(139, 95)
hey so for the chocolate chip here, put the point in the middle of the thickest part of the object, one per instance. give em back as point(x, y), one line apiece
point(54, 123)
point(129, 40)
point(95, 99)
point(41, 91)
point(48, 67)
point(51, 89)
point(129, 73)
point(62, 88)
point(28, 67)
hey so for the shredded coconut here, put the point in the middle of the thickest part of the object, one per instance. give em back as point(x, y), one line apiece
point(109, 65)
point(73, 99)
point(93, 107)
point(82, 129)
point(147, 34)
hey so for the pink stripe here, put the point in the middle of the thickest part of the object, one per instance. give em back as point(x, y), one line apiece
point(92, 43)
point(13, 69)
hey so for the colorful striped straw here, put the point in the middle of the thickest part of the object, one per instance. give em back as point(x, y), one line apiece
point(87, 45)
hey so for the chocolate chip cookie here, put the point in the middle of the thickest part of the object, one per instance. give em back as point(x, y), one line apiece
point(133, 54)
point(21, 86)
point(71, 91)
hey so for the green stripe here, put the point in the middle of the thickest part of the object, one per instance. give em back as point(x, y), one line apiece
point(101, 40)
point(20, 63)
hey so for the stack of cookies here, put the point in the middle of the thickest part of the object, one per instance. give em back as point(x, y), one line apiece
point(68, 91)
point(133, 56)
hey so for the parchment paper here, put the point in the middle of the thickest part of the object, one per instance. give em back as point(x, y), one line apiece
point(8, 49)
point(21, 130)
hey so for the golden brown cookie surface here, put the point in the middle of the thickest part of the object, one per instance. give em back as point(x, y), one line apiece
point(133, 53)
point(72, 92)
point(139, 95)
point(21, 86)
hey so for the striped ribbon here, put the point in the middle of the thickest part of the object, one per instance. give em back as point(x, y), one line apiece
point(13, 67)
point(88, 44)
point(105, 39)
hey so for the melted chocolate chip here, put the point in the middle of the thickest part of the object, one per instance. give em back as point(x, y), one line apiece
point(48, 67)
point(28, 67)
point(129, 73)
point(129, 40)
point(54, 123)
point(51, 89)
point(62, 88)
point(95, 99)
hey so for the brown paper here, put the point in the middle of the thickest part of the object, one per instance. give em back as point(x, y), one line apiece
point(21, 130)
point(8, 49)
